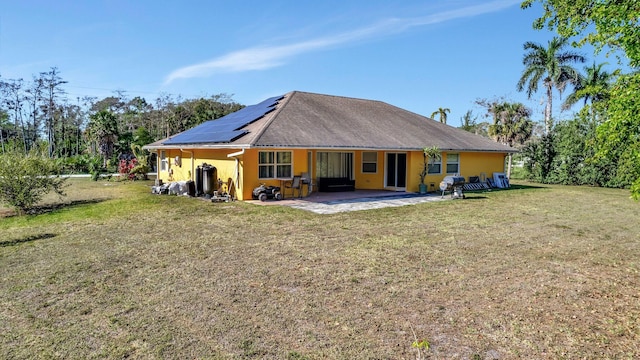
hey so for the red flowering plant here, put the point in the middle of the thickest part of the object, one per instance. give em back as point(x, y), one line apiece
point(125, 166)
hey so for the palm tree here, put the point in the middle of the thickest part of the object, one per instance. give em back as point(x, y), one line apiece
point(551, 67)
point(103, 128)
point(511, 125)
point(592, 87)
point(443, 114)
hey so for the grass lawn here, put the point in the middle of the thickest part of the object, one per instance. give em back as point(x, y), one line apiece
point(112, 271)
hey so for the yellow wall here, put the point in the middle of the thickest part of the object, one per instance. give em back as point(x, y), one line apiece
point(185, 168)
point(471, 164)
point(369, 181)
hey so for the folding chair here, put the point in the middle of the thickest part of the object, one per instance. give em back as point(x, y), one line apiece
point(294, 184)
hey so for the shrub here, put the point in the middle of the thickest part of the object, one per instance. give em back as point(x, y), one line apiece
point(25, 179)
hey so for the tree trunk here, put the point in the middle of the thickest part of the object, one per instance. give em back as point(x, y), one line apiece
point(509, 166)
point(547, 110)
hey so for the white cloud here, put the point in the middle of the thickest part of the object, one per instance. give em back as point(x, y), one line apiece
point(265, 57)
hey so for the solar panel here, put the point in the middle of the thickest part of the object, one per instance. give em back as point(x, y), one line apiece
point(227, 128)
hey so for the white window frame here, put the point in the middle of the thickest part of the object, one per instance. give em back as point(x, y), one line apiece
point(164, 162)
point(434, 164)
point(451, 163)
point(277, 166)
point(371, 162)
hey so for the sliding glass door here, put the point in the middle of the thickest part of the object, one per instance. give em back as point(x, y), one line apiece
point(396, 171)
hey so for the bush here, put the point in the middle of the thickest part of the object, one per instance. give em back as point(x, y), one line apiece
point(80, 164)
point(25, 179)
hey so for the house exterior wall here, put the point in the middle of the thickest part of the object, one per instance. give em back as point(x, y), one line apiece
point(470, 164)
point(184, 168)
point(369, 181)
point(243, 171)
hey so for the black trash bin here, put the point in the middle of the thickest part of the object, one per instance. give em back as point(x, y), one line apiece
point(191, 188)
point(199, 181)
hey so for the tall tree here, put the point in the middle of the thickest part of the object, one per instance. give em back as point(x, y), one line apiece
point(4, 126)
point(442, 112)
point(103, 129)
point(34, 96)
point(612, 24)
point(53, 92)
point(470, 123)
point(550, 66)
point(13, 100)
point(511, 125)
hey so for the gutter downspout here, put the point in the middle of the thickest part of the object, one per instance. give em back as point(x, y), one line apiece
point(192, 169)
point(237, 168)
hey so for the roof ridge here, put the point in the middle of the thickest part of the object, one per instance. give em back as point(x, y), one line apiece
point(279, 106)
point(340, 96)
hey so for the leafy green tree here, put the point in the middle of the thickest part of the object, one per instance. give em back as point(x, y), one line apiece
point(618, 138)
point(470, 123)
point(612, 24)
point(573, 144)
point(442, 112)
point(539, 155)
point(601, 23)
point(25, 179)
point(142, 137)
point(550, 66)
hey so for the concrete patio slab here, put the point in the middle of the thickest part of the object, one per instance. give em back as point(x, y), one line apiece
point(331, 203)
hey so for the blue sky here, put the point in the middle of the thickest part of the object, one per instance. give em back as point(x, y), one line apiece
point(417, 55)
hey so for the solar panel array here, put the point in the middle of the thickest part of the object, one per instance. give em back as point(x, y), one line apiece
point(227, 128)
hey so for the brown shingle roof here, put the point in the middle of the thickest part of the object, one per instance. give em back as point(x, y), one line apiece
point(307, 120)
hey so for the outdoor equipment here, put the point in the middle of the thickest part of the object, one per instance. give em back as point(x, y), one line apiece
point(209, 177)
point(454, 184)
point(263, 193)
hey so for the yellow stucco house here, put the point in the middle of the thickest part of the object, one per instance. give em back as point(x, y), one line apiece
point(324, 138)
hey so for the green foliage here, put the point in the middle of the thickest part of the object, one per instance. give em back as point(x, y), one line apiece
point(95, 167)
point(539, 154)
point(431, 154)
point(602, 23)
point(142, 167)
point(551, 67)
point(635, 190)
point(573, 153)
point(123, 144)
point(618, 138)
point(103, 129)
point(25, 179)
point(470, 123)
point(442, 113)
point(80, 164)
point(511, 123)
point(142, 136)
point(614, 24)
point(422, 344)
point(593, 86)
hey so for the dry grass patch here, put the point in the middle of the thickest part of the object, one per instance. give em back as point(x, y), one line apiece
point(533, 273)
